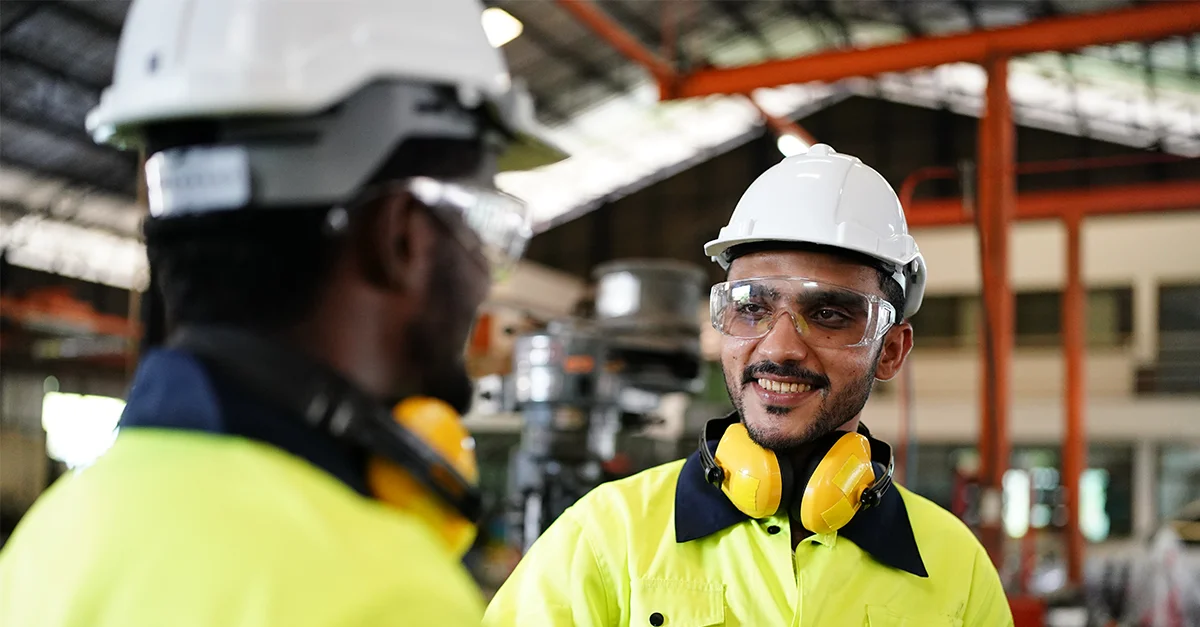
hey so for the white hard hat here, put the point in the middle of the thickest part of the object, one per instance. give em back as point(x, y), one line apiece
point(821, 197)
point(205, 59)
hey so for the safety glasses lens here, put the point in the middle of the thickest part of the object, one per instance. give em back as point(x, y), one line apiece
point(824, 315)
point(499, 222)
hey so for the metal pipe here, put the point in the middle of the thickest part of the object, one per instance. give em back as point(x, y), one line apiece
point(1094, 201)
point(997, 191)
point(1074, 450)
point(609, 30)
point(1147, 22)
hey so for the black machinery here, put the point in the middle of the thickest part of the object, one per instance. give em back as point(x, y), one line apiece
point(581, 383)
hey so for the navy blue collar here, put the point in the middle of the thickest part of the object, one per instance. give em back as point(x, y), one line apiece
point(885, 532)
point(174, 390)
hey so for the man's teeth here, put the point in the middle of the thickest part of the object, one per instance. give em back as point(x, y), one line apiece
point(784, 387)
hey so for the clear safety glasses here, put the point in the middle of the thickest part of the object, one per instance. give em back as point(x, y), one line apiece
point(482, 219)
point(499, 221)
point(825, 315)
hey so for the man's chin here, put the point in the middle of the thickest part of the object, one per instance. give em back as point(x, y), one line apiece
point(778, 430)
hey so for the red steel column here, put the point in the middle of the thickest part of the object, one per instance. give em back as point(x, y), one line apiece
point(997, 193)
point(1074, 446)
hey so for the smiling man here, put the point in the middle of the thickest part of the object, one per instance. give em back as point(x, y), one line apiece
point(786, 513)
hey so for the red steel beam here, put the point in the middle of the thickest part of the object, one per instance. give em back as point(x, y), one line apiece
point(908, 187)
point(1051, 205)
point(1074, 450)
point(997, 192)
point(1146, 22)
point(664, 72)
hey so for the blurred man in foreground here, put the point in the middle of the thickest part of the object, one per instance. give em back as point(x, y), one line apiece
point(324, 226)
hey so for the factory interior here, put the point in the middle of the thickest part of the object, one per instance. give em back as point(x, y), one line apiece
point(1044, 153)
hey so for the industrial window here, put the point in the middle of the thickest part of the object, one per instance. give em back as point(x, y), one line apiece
point(1178, 368)
point(1033, 492)
point(79, 427)
point(939, 322)
point(1109, 317)
point(953, 320)
point(1178, 478)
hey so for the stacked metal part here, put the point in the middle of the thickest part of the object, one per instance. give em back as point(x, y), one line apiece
point(580, 383)
point(648, 311)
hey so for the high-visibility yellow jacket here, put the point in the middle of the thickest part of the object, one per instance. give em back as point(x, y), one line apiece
point(188, 526)
point(665, 548)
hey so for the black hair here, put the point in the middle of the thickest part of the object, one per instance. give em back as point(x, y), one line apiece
point(264, 268)
point(893, 292)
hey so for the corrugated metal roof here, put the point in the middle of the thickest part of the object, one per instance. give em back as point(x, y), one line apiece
point(55, 57)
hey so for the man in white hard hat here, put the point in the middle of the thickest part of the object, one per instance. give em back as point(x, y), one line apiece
point(786, 513)
point(323, 228)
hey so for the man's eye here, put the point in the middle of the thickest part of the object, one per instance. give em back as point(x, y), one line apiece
point(751, 309)
point(829, 315)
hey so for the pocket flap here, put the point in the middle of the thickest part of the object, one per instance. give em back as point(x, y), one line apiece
point(879, 616)
point(675, 603)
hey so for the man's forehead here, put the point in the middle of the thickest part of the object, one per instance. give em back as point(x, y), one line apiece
point(818, 266)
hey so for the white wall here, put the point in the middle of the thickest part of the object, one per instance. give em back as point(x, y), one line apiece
point(1041, 420)
point(1117, 250)
point(1037, 373)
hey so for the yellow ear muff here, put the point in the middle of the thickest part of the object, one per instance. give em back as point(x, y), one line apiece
point(752, 479)
point(834, 492)
point(440, 428)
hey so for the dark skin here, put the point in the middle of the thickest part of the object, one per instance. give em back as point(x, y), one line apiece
point(845, 374)
point(400, 302)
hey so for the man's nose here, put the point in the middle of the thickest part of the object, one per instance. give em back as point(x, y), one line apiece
point(785, 341)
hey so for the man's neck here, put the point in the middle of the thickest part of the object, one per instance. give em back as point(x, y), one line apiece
point(798, 533)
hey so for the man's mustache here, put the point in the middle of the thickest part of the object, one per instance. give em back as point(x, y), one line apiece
point(789, 370)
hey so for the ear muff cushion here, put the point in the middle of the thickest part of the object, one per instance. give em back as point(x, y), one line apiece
point(752, 478)
point(833, 493)
point(439, 427)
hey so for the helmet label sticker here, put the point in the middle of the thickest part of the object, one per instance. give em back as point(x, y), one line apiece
point(198, 180)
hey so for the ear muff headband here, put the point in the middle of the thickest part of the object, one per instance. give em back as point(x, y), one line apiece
point(854, 473)
point(331, 404)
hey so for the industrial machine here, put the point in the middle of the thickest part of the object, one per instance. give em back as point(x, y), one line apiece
point(583, 382)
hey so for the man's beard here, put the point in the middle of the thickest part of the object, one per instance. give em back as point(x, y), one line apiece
point(835, 410)
point(436, 341)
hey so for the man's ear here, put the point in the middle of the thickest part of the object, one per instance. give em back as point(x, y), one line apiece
point(396, 244)
point(897, 342)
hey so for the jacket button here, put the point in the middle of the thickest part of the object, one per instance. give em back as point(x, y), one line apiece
point(657, 619)
point(773, 529)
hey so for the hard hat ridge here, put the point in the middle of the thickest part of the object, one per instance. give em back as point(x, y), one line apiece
point(825, 198)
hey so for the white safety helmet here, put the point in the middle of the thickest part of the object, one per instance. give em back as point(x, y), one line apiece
point(360, 74)
point(821, 197)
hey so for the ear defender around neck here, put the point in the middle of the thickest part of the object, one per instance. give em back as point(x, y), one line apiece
point(844, 474)
point(439, 427)
point(420, 456)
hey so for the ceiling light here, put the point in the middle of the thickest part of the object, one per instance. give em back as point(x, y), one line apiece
point(500, 27)
point(790, 145)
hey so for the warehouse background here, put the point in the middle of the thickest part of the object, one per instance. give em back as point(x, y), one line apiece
point(1115, 125)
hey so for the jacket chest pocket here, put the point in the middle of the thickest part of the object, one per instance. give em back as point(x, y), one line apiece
point(672, 603)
